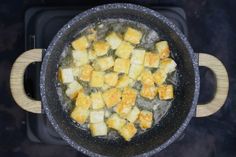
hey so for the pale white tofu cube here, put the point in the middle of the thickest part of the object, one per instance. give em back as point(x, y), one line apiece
point(96, 116)
point(76, 71)
point(80, 114)
point(128, 131)
point(124, 50)
point(145, 119)
point(163, 49)
point(137, 56)
point(124, 81)
point(114, 40)
point(97, 100)
point(103, 63)
point(73, 89)
point(168, 65)
point(111, 79)
point(97, 79)
point(132, 35)
point(80, 44)
point(135, 71)
point(80, 58)
point(98, 129)
point(115, 122)
point(92, 55)
point(122, 65)
point(133, 114)
point(66, 75)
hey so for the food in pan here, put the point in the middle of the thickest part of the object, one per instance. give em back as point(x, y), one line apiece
point(109, 75)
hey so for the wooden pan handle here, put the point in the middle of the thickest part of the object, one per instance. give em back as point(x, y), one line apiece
point(17, 80)
point(222, 85)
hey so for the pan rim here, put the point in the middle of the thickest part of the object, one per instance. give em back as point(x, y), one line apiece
point(82, 15)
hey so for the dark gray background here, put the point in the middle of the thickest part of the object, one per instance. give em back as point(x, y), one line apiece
point(211, 25)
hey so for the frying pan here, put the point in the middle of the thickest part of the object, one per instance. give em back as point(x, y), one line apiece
point(169, 128)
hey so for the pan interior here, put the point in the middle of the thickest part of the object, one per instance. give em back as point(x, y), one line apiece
point(169, 125)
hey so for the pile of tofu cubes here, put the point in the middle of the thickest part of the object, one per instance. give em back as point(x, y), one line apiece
point(113, 105)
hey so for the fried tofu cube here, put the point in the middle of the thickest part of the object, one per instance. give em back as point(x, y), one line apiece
point(122, 65)
point(80, 114)
point(168, 65)
point(129, 96)
point(103, 63)
point(105, 87)
point(159, 77)
point(147, 78)
point(101, 47)
point(151, 60)
point(66, 75)
point(133, 114)
point(111, 79)
point(98, 129)
point(166, 92)
point(73, 89)
point(97, 79)
point(115, 122)
point(135, 71)
point(83, 100)
point(85, 72)
point(124, 81)
point(148, 92)
point(114, 40)
point(80, 44)
point(80, 58)
point(91, 55)
point(128, 131)
point(111, 97)
point(97, 100)
point(145, 119)
point(96, 116)
point(124, 50)
point(76, 71)
point(163, 49)
point(132, 35)
point(138, 56)
point(123, 109)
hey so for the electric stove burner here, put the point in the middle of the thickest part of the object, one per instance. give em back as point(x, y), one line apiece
point(41, 24)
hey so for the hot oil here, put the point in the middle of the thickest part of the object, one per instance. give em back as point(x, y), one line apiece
point(150, 37)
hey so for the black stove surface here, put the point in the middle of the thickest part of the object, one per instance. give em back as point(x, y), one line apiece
point(41, 24)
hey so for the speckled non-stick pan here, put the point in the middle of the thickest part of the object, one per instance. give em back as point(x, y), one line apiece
point(157, 138)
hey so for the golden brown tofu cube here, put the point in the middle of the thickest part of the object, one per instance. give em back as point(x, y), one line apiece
point(83, 100)
point(168, 65)
point(73, 89)
point(80, 44)
point(98, 129)
point(159, 77)
point(103, 63)
point(85, 72)
point(111, 97)
point(135, 71)
point(122, 65)
point(111, 79)
point(96, 116)
point(124, 81)
point(124, 50)
point(101, 47)
point(151, 60)
point(123, 109)
point(114, 40)
point(145, 119)
point(163, 49)
point(97, 100)
point(132, 35)
point(133, 114)
point(128, 131)
point(66, 75)
point(148, 92)
point(147, 78)
point(129, 96)
point(97, 79)
point(80, 114)
point(166, 92)
point(115, 122)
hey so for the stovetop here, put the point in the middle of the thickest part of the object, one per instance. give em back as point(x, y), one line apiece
point(41, 24)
